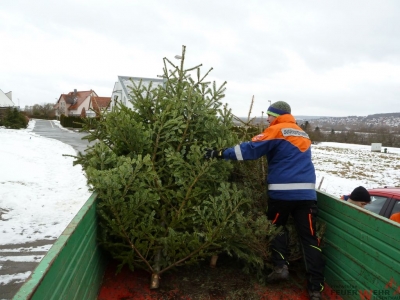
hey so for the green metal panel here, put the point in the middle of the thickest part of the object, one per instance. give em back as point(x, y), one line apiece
point(362, 251)
point(74, 266)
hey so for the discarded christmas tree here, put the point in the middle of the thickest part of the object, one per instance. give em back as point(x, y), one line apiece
point(161, 204)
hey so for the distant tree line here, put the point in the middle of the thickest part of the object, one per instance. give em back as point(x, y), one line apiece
point(361, 136)
point(41, 111)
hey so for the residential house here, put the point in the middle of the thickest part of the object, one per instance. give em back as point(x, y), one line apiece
point(6, 99)
point(123, 87)
point(5, 102)
point(97, 105)
point(73, 103)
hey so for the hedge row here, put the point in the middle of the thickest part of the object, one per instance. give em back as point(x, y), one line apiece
point(71, 121)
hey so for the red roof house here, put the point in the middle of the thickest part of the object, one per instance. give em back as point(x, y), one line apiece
point(71, 104)
point(98, 104)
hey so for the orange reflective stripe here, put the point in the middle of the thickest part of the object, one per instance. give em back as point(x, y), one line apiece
point(276, 218)
point(310, 221)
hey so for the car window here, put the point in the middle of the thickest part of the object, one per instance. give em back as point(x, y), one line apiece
point(396, 208)
point(376, 204)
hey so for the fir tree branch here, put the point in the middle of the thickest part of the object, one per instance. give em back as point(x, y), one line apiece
point(128, 239)
point(206, 244)
point(183, 139)
point(156, 180)
point(138, 252)
point(189, 190)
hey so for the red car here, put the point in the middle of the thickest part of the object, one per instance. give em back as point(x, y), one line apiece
point(385, 201)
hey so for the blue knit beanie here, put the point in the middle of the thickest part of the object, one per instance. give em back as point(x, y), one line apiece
point(279, 108)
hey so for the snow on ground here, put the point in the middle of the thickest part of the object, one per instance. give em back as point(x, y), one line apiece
point(41, 191)
point(342, 167)
point(16, 278)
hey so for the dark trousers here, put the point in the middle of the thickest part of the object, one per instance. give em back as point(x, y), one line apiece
point(304, 213)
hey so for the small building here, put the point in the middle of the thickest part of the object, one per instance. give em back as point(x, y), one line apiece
point(98, 104)
point(5, 103)
point(376, 147)
point(6, 99)
point(122, 88)
point(79, 103)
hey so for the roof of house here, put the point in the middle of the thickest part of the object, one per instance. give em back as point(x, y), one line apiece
point(5, 101)
point(98, 103)
point(126, 82)
point(75, 98)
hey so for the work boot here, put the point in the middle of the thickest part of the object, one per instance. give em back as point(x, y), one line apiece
point(279, 273)
point(314, 295)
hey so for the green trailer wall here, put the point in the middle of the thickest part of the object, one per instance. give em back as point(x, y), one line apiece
point(362, 251)
point(74, 266)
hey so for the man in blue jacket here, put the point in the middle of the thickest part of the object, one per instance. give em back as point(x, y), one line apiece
point(291, 190)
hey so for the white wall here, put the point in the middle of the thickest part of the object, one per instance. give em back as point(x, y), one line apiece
point(122, 88)
point(84, 104)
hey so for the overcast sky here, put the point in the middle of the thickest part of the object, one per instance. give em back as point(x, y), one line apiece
point(328, 58)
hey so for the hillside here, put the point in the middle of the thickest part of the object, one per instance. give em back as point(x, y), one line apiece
point(391, 120)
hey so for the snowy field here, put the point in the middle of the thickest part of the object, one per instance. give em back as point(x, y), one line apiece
point(41, 191)
point(346, 166)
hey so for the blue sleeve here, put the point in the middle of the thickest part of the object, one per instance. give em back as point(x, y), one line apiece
point(247, 151)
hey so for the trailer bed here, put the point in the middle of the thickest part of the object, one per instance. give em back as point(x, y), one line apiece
point(226, 281)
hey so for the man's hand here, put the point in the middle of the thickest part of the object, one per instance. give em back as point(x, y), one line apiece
point(213, 153)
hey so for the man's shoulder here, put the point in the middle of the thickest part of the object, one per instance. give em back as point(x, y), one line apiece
point(269, 133)
point(280, 130)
